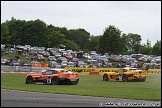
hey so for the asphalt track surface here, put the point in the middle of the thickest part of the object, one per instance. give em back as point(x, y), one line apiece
point(15, 98)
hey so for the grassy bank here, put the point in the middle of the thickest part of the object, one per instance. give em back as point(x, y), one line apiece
point(91, 85)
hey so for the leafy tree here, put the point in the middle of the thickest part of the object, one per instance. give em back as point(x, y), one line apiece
point(71, 45)
point(36, 32)
point(145, 49)
point(55, 38)
point(111, 40)
point(80, 37)
point(94, 43)
point(5, 37)
point(133, 42)
point(157, 48)
point(15, 28)
point(123, 43)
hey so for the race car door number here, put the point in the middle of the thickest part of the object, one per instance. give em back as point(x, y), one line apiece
point(48, 80)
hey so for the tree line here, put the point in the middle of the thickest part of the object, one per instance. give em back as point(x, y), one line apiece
point(38, 33)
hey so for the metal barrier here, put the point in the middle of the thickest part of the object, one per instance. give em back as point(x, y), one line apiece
point(12, 68)
point(20, 68)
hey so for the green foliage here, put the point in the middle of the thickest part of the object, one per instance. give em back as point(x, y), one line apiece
point(80, 37)
point(71, 45)
point(133, 42)
point(5, 37)
point(145, 49)
point(111, 40)
point(55, 39)
point(94, 43)
point(38, 33)
point(91, 85)
point(157, 48)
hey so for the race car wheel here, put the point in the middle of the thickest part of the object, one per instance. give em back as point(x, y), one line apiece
point(125, 78)
point(143, 79)
point(75, 82)
point(105, 77)
point(55, 80)
point(29, 80)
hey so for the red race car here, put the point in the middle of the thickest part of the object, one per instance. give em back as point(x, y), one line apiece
point(53, 76)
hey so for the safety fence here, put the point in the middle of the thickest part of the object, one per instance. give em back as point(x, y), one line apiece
point(21, 69)
point(101, 70)
point(73, 69)
point(157, 71)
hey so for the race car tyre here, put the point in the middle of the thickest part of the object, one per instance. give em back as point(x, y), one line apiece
point(75, 82)
point(143, 79)
point(29, 80)
point(56, 81)
point(125, 78)
point(105, 77)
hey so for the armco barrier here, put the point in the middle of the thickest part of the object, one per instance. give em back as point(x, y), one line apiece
point(157, 71)
point(20, 69)
point(15, 72)
point(101, 70)
point(74, 69)
point(82, 70)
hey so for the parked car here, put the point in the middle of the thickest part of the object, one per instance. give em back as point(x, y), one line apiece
point(75, 59)
point(69, 56)
point(15, 63)
point(52, 64)
point(57, 55)
point(46, 54)
point(64, 64)
point(51, 58)
point(53, 76)
point(5, 62)
point(63, 53)
point(40, 57)
point(60, 59)
point(83, 65)
point(70, 64)
point(87, 56)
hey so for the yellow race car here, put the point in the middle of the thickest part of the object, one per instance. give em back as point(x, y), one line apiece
point(125, 74)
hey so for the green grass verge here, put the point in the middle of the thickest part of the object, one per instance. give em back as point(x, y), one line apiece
point(91, 85)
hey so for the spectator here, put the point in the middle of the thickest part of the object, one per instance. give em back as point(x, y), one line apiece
point(147, 67)
point(118, 65)
point(138, 65)
point(17, 57)
point(16, 51)
point(11, 60)
point(123, 65)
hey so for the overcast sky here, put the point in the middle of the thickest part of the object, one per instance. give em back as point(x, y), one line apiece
point(137, 17)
